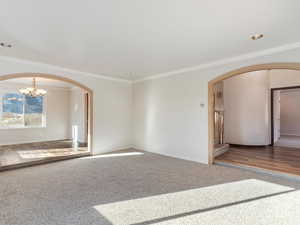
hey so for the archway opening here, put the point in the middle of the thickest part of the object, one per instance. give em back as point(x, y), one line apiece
point(43, 118)
point(248, 116)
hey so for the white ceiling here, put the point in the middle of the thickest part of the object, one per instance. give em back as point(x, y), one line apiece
point(138, 38)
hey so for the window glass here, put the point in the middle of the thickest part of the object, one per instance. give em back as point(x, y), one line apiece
point(33, 115)
point(21, 111)
point(12, 110)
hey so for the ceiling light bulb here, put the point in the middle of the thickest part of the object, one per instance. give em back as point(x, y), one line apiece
point(5, 45)
point(257, 36)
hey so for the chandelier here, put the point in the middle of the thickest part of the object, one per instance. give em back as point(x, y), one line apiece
point(33, 91)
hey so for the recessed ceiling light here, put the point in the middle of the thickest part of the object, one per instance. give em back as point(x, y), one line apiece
point(5, 45)
point(257, 36)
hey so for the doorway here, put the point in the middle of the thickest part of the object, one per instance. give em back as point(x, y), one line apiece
point(43, 118)
point(211, 114)
point(285, 116)
point(252, 118)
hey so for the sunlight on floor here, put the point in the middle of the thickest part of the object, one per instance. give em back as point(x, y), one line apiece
point(114, 155)
point(241, 202)
point(48, 153)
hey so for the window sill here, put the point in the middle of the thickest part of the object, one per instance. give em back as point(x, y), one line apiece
point(17, 128)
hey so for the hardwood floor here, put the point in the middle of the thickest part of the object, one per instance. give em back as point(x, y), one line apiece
point(19, 154)
point(280, 159)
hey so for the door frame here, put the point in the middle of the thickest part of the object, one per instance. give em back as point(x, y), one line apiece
point(240, 71)
point(272, 107)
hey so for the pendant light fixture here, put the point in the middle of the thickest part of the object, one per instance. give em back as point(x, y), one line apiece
point(33, 91)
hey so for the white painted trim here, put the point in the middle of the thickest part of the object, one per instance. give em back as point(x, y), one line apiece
point(67, 70)
point(146, 149)
point(289, 134)
point(252, 55)
point(114, 149)
point(75, 88)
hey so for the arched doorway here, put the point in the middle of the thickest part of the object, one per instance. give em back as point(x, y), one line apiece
point(240, 71)
point(88, 111)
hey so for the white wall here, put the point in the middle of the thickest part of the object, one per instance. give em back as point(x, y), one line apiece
point(165, 109)
point(112, 102)
point(78, 114)
point(290, 112)
point(284, 78)
point(57, 119)
point(247, 104)
point(168, 117)
point(170, 112)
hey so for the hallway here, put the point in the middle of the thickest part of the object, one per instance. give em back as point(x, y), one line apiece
point(278, 159)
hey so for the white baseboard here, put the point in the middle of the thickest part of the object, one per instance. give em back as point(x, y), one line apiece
point(289, 134)
point(145, 149)
point(112, 149)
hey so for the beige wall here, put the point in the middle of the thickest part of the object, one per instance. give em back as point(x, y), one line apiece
point(77, 114)
point(290, 112)
point(246, 100)
point(284, 78)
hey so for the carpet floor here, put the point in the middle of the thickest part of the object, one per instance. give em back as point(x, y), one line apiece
point(140, 188)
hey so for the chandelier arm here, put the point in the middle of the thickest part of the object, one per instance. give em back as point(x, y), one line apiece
point(33, 91)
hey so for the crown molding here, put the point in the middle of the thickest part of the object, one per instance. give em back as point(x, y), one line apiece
point(243, 57)
point(62, 69)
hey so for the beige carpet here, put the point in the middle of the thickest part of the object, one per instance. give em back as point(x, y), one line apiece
point(123, 189)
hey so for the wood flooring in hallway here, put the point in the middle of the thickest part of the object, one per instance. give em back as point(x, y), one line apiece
point(279, 159)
